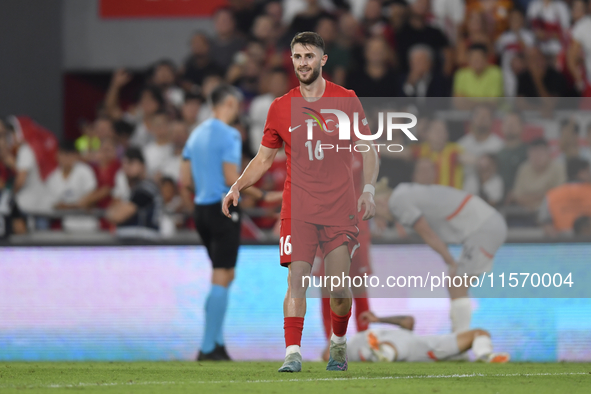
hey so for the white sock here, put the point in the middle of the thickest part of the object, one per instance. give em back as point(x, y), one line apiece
point(292, 349)
point(460, 313)
point(482, 346)
point(338, 340)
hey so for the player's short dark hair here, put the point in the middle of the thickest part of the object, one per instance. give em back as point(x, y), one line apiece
point(538, 142)
point(574, 166)
point(221, 92)
point(123, 128)
point(580, 223)
point(67, 146)
point(133, 154)
point(478, 47)
point(308, 38)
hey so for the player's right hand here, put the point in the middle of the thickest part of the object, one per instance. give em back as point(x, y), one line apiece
point(368, 317)
point(231, 198)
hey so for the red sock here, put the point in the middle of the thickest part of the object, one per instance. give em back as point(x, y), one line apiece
point(361, 305)
point(326, 317)
point(339, 323)
point(293, 327)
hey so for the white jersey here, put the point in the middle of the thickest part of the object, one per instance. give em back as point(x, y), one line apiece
point(453, 214)
point(365, 346)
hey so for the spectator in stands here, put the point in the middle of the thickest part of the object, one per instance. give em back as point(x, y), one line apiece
point(488, 184)
point(275, 86)
point(105, 170)
point(422, 80)
point(123, 134)
point(190, 110)
point(448, 16)
point(566, 203)
point(68, 184)
point(171, 166)
point(478, 79)
point(580, 48)
point(550, 20)
point(476, 32)
point(28, 186)
point(199, 63)
point(514, 152)
point(172, 208)
point(514, 41)
point(424, 172)
point(338, 54)
point(480, 139)
point(157, 152)
point(227, 42)
point(418, 31)
point(582, 226)
point(536, 176)
point(308, 19)
point(586, 150)
point(138, 217)
point(88, 142)
point(377, 78)
point(569, 142)
point(446, 155)
point(495, 13)
point(373, 22)
point(396, 166)
point(246, 70)
point(163, 76)
point(539, 80)
point(7, 157)
point(150, 101)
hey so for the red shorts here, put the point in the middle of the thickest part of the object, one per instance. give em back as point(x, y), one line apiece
point(299, 240)
point(360, 263)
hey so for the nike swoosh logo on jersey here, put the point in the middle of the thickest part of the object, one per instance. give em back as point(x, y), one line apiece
point(293, 128)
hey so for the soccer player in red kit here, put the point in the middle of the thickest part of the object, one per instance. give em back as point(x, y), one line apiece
point(319, 205)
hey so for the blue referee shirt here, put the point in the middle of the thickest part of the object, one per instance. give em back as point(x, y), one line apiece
point(210, 145)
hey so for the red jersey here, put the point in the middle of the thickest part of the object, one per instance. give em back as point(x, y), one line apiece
point(319, 186)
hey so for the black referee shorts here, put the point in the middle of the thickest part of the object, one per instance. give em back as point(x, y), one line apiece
point(220, 234)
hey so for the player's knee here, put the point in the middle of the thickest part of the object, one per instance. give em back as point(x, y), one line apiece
point(299, 275)
point(340, 294)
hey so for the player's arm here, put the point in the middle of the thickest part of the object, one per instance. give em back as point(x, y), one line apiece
point(404, 321)
point(371, 168)
point(231, 175)
point(426, 232)
point(252, 173)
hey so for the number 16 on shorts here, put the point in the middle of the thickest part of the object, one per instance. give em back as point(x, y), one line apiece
point(285, 246)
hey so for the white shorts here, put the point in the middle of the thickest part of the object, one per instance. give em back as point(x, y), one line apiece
point(480, 246)
point(432, 348)
point(409, 347)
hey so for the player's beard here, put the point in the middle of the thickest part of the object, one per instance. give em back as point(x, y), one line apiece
point(313, 76)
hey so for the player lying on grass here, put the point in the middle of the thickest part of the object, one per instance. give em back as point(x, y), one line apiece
point(444, 215)
point(403, 345)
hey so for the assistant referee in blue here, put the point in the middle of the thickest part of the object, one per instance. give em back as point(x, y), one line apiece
point(211, 163)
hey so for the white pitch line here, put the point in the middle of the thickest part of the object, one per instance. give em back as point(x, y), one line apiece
point(474, 375)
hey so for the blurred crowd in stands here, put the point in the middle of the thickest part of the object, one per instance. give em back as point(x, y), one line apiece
point(519, 156)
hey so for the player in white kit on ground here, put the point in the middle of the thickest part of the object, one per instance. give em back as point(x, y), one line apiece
point(444, 215)
point(403, 345)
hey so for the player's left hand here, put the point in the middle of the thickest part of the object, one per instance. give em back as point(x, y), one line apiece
point(370, 205)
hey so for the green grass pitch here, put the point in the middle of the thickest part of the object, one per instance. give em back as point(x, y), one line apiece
point(261, 377)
